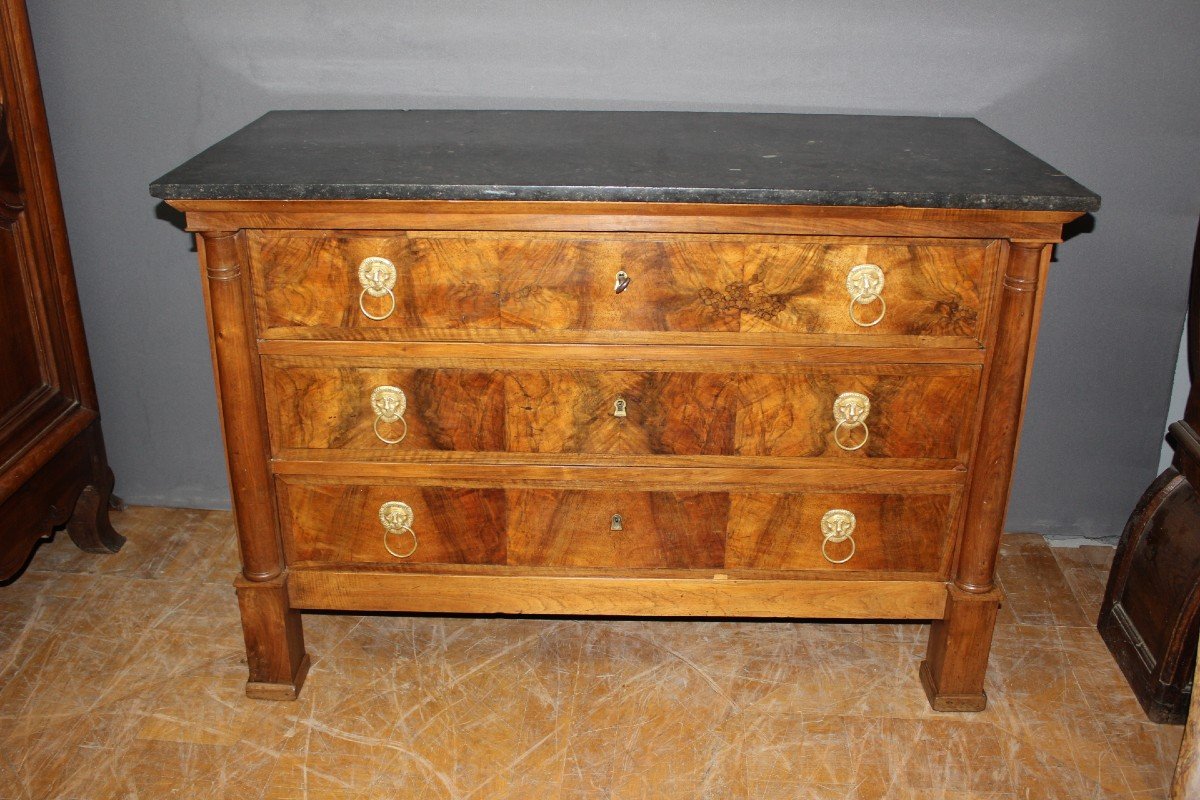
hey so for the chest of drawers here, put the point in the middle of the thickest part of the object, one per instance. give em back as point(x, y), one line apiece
point(622, 363)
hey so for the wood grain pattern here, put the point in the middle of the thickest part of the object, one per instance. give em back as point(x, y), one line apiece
point(311, 279)
point(915, 412)
point(528, 526)
point(785, 411)
point(340, 523)
point(668, 476)
point(547, 282)
point(659, 529)
point(894, 532)
point(358, 590)
point(329, 407)
point(818, 350)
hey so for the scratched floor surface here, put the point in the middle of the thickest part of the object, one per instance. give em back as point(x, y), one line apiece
point(122, 677)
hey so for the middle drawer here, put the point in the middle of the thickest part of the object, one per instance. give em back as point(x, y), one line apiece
point(392, 410)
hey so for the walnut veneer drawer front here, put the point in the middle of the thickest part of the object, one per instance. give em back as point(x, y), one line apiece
point(850, 411)
point(882, 532)
point(904, 531)
point(416, 524)
point(516, 286)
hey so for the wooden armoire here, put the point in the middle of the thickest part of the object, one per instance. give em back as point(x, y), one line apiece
point(53, 470)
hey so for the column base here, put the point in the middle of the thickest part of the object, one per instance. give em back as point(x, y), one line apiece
point(959, 643)
point(976, 701)
point(256, 690)
point(274, 640)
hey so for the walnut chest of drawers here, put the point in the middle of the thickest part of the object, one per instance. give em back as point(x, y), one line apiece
point(633, 363)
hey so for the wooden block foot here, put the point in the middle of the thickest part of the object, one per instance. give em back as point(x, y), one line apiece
point(274, 640)
point(959, 643)
point(949, 702)
point(289, 690)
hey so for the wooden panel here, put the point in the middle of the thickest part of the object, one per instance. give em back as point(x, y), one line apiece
point(916, 412)
point(329, 407)
point(659, 529)
point(311, 279)
point(565, 525)
point(19, 345)
point(667, 413)
point(461, 353)
point(785, 411)
point(554, 283)
point(340, 523)
point(572, 285)
point(676, 475)
point(530, 594)
point(894, 532)
point(930, 289)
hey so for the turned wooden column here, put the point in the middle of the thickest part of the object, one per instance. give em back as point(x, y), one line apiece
point(953, 671)
point(274, 637)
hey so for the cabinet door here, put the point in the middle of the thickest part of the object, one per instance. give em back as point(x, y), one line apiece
point(21, 374)
point(45, 379)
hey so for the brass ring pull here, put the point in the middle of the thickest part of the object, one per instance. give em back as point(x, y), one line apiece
point(622, 282)
point(867, 300)
point(362, 306)
point(865, 285)
point(389, 404)
point(397, 518)
point(850, 411)
point(825, 552)
point(850, 448)
point(377, 276)
point(837, 525)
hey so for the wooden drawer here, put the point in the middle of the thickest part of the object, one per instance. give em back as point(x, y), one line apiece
point(892, 532)
point(786, 410)
point(902, 530)
point(562, 287)
point(548, 527)
point(341, 523)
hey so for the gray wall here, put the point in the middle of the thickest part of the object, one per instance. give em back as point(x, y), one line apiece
point(1104, 89)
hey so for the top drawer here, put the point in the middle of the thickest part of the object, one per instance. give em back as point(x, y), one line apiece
point(620, 287)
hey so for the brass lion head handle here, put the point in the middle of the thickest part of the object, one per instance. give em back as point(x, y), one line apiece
point(865, 285)
point(377, 276)
point(850, 411)
point(389, 404)
point(397, 519)
point(837, 525)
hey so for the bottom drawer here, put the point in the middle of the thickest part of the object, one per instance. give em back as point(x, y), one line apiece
point(902, 530)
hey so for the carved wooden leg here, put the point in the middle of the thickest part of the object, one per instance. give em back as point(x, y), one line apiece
point(953, 671)
point(89, 527)
point(274, 640)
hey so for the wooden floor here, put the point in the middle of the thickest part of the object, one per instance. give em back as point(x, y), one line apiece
point(122, 677)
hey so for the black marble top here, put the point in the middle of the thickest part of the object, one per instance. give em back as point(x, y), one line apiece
point(650, 156)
